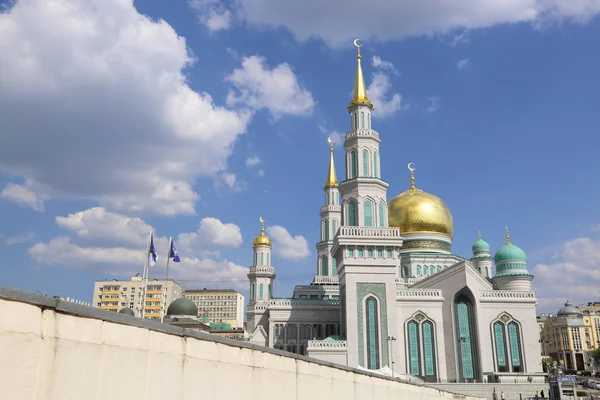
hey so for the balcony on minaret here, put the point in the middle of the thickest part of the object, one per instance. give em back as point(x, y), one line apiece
point(362, 132)
point(356, 244)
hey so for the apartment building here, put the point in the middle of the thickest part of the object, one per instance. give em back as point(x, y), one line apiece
point(114, 295)
point(219, 305)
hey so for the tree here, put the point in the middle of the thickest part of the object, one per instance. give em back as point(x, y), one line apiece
point(596, 356)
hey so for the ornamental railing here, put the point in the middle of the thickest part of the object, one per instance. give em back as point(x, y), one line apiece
point(333, 280)
point(361, 132)
point(261, 268)
point(339, 344)
point(506, 294)
point(303, 303)
point(369, 231)
point(419, 293)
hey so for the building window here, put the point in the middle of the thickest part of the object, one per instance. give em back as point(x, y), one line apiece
point(463, 314)
point(369, 117)
point(418, 270)
point(431, 270)
point(375, 165)
point(324, 271)
point(381, 214)
point(270, 290)
point(515, 346)
point(370, 253)
point(252, 291)
point(333, 228)
point(260, 291)
point(262, 258)
point(350, 252)
point(268, 258)
point(388, 253)
point(361, 252)
point(372, 313)
point(353, 166)
point(365, 162)
point(413, 348)
point(355, 120)
point(380, 253)
point(500, 339)
point(333, 266)
point(438, 268)
point(352, 214)
point(325, 230)
point(362, 119)
point(368, 211)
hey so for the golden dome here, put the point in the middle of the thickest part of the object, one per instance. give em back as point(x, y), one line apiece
point(262, 239)
point(418, 211)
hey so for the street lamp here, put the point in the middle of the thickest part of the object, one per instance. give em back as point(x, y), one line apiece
point(390, 340)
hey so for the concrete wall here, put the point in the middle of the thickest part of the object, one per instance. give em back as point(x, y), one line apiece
point(57, 350)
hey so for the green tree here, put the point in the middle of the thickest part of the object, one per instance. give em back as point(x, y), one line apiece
point(596, 356)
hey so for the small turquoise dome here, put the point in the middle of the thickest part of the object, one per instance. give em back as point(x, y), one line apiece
point(127, 311)
point(510, 252)
point(480, 245)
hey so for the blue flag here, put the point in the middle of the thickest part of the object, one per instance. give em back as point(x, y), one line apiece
point(173, 253)
point(152, 251)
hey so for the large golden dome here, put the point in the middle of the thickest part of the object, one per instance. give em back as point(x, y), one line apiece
point(418, 211)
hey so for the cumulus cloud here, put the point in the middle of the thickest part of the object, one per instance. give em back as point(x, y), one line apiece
point(434, 104)
point(378, 94)
point(276, 89)
point(378, 62)
point(287, 246)
point(212, 14)
point(460, 64)
point(22, 238)
point(212, 232)
point(252, 161)
point(384, 20)
point(100, 89)
point(229, 179)
point(573, 275)
point(23, 196)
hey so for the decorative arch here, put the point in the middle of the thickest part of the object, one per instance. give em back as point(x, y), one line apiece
point(465, 322)
point(372, 324)
point(375, 164)
point(252, 291)
point(325, 235)
point(368, 211)
point(431, 270)
point(353, 164)
point(260, 291)
point(324, 266)
point(381, 213)
point(351, 219)
point(421, 346)
point(365, 162)
point(333, 228)
point(418, 270)
point(507, 343)
point(362, 119)
point(438, 268)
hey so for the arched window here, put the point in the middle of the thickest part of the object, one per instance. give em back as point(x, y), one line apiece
point(431, 270)
point(325, 230)
point(425, 270)
point(255, 258)
point(362, 119)
point(353, 166)
point(438, 268)
point(333, 266)
point(252, 291)
point(405, 272)
point(262, 258)
point(418, 270)
point(324, 271)
point(355, 120)
point(368, 211)
point(369, 115)
point(381, 214)
point(365, 160)
point(352, 121)
point(270, 290)
point(268, 258)
point(260, 291)
point(375, 165)
point(464, 317)
point(515, 347)
point(333, 228)
point(500, 339)
point(352, 214)
point(428, 349)
point(413, 348)
point(372, 325)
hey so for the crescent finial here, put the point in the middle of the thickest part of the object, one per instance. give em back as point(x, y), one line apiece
point(329, 140)
point(356, 44)
point(411, 167)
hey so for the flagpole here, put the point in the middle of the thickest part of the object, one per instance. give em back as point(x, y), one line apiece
point(144, 275)
point(145, 285)
point(164, 307)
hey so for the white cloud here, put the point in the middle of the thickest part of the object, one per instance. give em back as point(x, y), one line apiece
point(287, 246)
point(252, 161)
point(378, 62)
point(211, 232)
point(460, 64)
point(23, 196)
point(102, 89)
point(378, 92)
point(384, 20)
point(434, 104)
point(276, 89)
point(98, 223)
point(22, 238)
point(212, 14)
point(336, 137)
point(230, 180)
point(574, 275)
point(261, 173)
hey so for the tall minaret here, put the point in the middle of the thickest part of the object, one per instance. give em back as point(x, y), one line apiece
point(261, 276)
point(331, 216)
point(364, 194)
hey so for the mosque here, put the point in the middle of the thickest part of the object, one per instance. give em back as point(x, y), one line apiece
point(388, 293)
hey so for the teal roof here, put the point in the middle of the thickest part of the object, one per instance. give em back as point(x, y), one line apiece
point(510, 252)
point(220, 327)
point(205, 320)
point(334, 337)
point(182, 306)
point(480, 245)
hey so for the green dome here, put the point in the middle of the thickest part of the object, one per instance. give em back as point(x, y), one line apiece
point(182, 306)
point(510, 252)
point(127, 311)
point(480, 245)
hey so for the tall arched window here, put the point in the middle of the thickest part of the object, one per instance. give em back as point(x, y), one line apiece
point(438, 268)
point(365, 162)
point(428, 349)
point(418, 270)
point(252, 291)
point(431, 270)
point(255, 259)
point(381, 215)
point(372, 325)
point(268, 258)
point(352, 121)
point(333, 228)
point(362, 119)
point(413, 348)
point(324, 271)
point(352, 214)
point(507, 342)
point(464, 318)
point(325, 230)
point(405, 272)
point(333, 267)
point(375, 165)
point(368, 211)
point(515, 346)
point(421, 347)
point(425, 270)
point(355, 120)
point(262, 258)
point(270, 290)
point(353, 164)
point(260, 291)
point(500, 339)
point(369, 115)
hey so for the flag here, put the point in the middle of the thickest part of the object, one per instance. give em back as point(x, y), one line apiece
point(152, 251)
point(173, 253)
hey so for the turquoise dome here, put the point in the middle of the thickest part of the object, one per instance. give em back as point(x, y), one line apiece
point(182, 306)
point(510, 252)
point(480, 245)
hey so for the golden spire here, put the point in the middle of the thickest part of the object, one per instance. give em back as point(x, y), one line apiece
point(411, 168)
point(507, 236)
point(262, 239)
point(331, 178)
point(360, 90)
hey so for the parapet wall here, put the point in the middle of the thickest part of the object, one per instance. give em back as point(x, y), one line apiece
point(57, 350)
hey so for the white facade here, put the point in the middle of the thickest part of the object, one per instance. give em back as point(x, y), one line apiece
point(385, 300)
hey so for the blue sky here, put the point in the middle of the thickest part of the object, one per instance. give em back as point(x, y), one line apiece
point(193, 118)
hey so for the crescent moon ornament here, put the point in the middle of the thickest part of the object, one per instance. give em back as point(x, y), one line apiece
point(411, 167)
point(262, 221)
point(356, 44)
point(329, 140)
